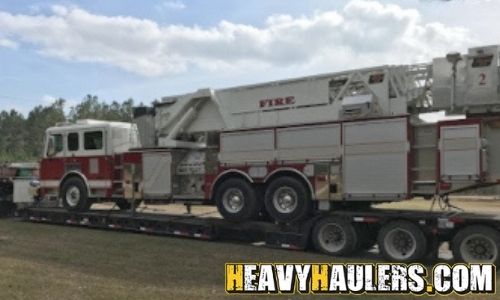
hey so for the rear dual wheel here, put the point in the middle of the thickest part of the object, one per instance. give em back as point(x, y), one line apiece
point(476, 244)
point(337, 237)
point(287, 199)
point(334, 236)
point(402, 241)
point(237, 201)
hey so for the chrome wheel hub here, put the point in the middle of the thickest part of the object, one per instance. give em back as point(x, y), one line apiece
point(73, 196)
point(233, 200)
point(285, 200)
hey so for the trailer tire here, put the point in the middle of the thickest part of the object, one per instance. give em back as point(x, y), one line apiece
point(237, 201)
point(287, 199)
point(74, 195)
point(476, 243)
point(402, 241)
point(334, 236)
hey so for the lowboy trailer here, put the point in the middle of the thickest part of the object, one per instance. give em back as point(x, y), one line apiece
point(401, 235)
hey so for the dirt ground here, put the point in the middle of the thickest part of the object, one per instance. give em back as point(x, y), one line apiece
point(55, 262)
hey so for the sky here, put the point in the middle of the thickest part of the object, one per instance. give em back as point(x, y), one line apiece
point(118, 49)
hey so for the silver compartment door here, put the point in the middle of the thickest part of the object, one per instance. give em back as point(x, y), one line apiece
point(319, 142)
point(156, 174)
point(460, 152)
point(375, 162)
point(252, 146)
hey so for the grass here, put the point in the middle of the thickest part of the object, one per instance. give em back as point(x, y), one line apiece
point(39, 261)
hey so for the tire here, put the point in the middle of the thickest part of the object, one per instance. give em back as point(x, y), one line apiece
point(237, 200)
point(476, 244)
point(124, 204)
point(287, 200)
point(74, 195)
point(335, 237)
point(402, 241)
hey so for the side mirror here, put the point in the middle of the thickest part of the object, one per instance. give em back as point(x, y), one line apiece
point(51, 147)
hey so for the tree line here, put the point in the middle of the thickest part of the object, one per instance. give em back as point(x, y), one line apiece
point(21, 137)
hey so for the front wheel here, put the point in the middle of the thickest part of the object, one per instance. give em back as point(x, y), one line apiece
point(287, 199)
point(74, 195)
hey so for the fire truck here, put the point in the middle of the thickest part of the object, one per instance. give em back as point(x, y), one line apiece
point(314, 152)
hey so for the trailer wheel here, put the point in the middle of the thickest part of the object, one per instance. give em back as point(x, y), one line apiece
point(74, 195)
point(287, 200)
point(476, 244)
point(402, 241)
point(237, 201)
point(334, 236)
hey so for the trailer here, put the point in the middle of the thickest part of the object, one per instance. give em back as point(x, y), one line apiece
point(314, 152)
point(401, 235)
point(15, 186)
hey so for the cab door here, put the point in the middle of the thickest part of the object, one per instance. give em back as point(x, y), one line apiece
point(52, 166)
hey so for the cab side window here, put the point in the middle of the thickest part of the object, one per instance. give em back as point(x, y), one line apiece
point(93, 140)
point(58, 142)
point(54, 144)
point(73, 143)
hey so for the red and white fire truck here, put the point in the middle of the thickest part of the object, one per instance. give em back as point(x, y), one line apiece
point(286, 150)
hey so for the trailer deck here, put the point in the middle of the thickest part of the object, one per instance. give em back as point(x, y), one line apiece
point(189, 226)
point(438, 226)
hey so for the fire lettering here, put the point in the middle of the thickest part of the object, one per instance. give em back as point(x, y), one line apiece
point(280, 101)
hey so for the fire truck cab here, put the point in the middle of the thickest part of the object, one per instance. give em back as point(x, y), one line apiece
point(80, 164)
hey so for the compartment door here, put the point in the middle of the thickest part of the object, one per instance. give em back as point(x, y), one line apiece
point(460, 152)
point(157, 178)
point(375, 161)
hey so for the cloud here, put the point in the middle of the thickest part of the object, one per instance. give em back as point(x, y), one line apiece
point(363, 33)
point(171, 5)
point(8, 43)
point(48, 99)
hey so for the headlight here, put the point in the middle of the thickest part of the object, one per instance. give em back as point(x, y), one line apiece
point(35, 183)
